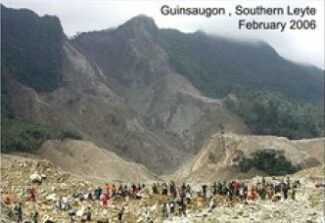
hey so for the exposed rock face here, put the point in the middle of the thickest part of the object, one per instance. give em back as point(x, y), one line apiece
point(135, 59)
point(86, 104)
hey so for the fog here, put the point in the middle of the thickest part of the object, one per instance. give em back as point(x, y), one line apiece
point(304, 46)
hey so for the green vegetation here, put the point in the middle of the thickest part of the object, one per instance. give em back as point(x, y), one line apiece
point(271, 161)
point(272, 114)
point(20, 135)
point(276, 96)
point(32, 53)
point(31, 48)
point(219, 66)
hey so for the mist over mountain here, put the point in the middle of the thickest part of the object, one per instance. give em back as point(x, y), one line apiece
point(151, 95)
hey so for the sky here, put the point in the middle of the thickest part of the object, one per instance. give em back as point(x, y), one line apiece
point(303, 46)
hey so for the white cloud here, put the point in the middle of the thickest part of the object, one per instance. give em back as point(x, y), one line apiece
point(84, 15)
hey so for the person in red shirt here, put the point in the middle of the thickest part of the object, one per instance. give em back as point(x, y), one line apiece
point(7, 200)
point(104, 199)
point(107, 188)
point(31, 195)
point(252, 194)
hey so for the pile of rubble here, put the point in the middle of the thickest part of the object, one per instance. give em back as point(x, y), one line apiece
point(51, 183)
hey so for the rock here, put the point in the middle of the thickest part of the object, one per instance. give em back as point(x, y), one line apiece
point(51, 197)
point(36, 178)
point(43, 176)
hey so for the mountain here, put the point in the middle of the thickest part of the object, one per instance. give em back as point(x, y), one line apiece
point(150, 95)
point(212, 63)
point(32, 48)
point(137, 55)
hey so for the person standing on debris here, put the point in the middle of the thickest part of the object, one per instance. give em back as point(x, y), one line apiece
point(172, 205)
point(229, 197)
point(164, 189)
point(31, 194)
point(154, 188)
point(183, 188)
point(120, 215)
point(104, 200)
point(165, 211)
point(139, 188)
point(199, 200)
point(88, 215)
point(172, 189)
point(188, 196)
point(288, 182)
point(7, 200)
point(263, 181)
point(113, 190)
point(242, 193)
point(107, 188)
point(219, 188)
point(285, 189)
point(97, 193)
point(18, 213)
point(214, 188)
point(224, 188)
point(182, 209)
point(293, 194)
point(252, 193)
point(261, 191)
point(189, 189)
point(212, 203)
point(293, 191)
point(58, 204)
point(270, 191)
point(204, 191)
point(35, 217)
point(134, 190)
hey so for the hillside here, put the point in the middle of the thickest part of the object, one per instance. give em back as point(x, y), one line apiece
point(133, 90)
point(31, 48)
point(220, 154)
point(87, 159)
point(212, 63)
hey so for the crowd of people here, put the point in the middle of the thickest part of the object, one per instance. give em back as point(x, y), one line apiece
point(177, 198)
point(232, 192)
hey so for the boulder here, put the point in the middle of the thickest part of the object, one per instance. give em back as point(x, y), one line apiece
point(36, 178)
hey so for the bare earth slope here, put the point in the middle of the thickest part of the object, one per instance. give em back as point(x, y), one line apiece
point(86, 158)
point(86, 104)
point(153, 116)
point(215, 160)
